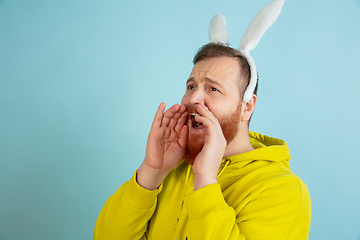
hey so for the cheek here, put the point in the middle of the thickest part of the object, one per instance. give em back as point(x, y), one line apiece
point(218, 110)
point(185, 100)
point(213, 106)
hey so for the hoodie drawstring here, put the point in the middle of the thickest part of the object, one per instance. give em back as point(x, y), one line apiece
point(187, 175)
point(227, 161)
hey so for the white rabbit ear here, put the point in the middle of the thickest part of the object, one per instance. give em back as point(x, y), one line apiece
point(262, 21)
point(218, 31)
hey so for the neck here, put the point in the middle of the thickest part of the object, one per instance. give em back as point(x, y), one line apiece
point(240, 144)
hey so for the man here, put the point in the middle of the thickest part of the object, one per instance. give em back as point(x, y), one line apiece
point(232, 184)
point(205, 175)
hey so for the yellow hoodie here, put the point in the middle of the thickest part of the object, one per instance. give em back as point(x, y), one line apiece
point(256, 197)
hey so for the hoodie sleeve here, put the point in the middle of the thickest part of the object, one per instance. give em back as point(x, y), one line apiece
point(126, 213)
point(210, 217)
point(279, 211)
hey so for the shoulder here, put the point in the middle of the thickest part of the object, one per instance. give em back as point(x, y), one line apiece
point(261, 184)
point(274, 195)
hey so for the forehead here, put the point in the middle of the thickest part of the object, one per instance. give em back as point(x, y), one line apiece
point(225, 70)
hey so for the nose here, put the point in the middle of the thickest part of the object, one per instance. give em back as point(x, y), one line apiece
point(197, 96)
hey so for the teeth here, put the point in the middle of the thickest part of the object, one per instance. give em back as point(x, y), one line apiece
point(196, 124)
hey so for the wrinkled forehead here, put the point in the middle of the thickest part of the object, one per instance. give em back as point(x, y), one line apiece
point(224, 70)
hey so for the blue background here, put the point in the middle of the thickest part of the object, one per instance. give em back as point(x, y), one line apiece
point(80, 82)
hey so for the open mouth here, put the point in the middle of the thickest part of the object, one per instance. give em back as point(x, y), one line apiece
point(194, 123)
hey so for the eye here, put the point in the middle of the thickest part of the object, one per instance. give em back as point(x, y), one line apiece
point(214, 89)
point(190, 87)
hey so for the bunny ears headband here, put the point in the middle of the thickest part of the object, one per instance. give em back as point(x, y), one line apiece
point(218, 33)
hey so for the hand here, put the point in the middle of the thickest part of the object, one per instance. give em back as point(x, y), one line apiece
point(165, 147)
point(207, 162)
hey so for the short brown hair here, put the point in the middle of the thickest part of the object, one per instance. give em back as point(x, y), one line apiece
point(212, 50)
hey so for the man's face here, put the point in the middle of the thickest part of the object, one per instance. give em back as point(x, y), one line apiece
point(214, 83)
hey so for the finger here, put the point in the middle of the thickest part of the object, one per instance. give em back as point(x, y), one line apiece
point(169, 114)
point(159, 115)
point(205, 112)
point(183, 136)
point(212, 128)
point(204, 120)
point(174, 120)
point(181, 122)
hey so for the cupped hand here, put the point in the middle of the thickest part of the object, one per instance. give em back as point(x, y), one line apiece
point(165, 147)
point(207, 162)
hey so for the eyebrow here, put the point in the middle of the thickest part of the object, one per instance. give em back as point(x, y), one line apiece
point(206, 79)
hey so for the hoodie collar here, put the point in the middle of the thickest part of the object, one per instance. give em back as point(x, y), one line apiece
point(265, 149)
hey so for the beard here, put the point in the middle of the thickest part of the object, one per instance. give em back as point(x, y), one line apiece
point(195, 142)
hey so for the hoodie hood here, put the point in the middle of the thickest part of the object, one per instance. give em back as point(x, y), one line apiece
point(266, 149)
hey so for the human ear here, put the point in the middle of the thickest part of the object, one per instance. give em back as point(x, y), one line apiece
point(248, 108)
